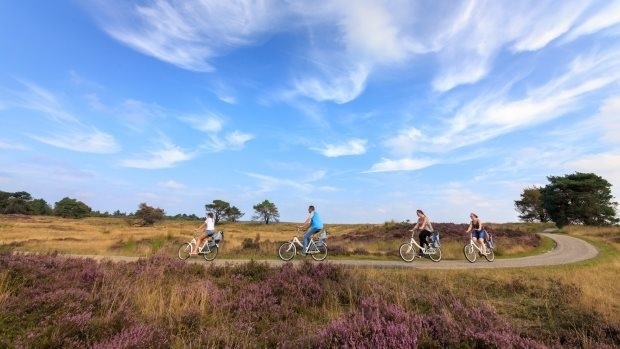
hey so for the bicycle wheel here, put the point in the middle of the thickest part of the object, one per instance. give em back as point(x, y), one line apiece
point(287, 251)
point(211, 253)
point(435, 254)
point(490, 256)
point(407, 252)
point(322, 254)
point(470, 253)
point(185, 250)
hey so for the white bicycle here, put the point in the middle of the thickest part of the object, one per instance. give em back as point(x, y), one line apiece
point(409, 250)
point(317, 248)
point(471, 250)
point(208, 250)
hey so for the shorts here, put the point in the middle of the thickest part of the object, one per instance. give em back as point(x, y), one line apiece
point(479, 234)
point(209, 233)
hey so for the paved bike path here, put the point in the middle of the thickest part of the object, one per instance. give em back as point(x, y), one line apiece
point(567, 250)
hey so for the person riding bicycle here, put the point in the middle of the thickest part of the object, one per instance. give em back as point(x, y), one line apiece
point(314, 225)
point(425, 227)
point(209, 225)
point(477, 231)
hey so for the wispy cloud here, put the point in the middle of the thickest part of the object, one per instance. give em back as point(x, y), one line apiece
point(166, 157)
point(499, 113)
point(606, 17)
point(354, 146)
point(43, 101)
point(11, 145)
point(187, 33)
point(92, 141)
point(405, 164)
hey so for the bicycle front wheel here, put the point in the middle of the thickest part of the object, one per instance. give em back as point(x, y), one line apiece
point(287, 251)
point(435, 254)
point(407, 252)
point(211, 253)
point(185, 250)
point(322, 254)
point(490, 256)
point(470, 253)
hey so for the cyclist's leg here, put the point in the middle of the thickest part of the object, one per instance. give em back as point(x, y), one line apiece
point(307, 236)
point(483, 238)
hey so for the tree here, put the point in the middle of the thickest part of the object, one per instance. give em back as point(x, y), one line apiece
point(71, 208)
point(222, 211)
point(266, 211)
point(40, 207)
point(579, 198)
point(233, 214)
point(149, 215)
point(530, 206)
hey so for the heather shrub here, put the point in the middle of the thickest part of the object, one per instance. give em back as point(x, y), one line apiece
point(50, 301)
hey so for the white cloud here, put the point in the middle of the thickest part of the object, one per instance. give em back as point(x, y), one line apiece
point(172, 184)
point(606, 165)
point(405, 164)
point(167, 157)
point(352, 147)
point(608, 119)
point(404, 143)
point(94, 141)
point(337, 85)
point(237, 139)
point(210, 122)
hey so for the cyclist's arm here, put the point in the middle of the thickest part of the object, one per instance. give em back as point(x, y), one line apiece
point(307, 222)
point(469, 228)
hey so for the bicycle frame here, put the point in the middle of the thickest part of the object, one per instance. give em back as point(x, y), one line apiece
point(474, 243)
point(408, 250)
point(311, 246)
point(471, 251)
point(289, 249)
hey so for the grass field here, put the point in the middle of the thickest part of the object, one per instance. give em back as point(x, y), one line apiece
point(159, 302)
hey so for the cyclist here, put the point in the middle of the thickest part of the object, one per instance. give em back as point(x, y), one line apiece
point(314, 225)
point(209, 225)
point(424, 226)
point(477, 231)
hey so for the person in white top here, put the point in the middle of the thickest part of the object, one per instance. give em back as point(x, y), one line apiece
point(209, 225)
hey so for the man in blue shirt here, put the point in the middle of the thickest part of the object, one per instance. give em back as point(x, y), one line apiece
point(314, 225)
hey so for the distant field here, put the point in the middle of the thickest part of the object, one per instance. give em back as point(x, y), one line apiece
point(120, 236)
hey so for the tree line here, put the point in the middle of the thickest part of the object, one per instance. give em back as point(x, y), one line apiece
point(23, 203)
point(578, 198)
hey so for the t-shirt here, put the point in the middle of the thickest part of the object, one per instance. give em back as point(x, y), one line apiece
point(315, 221)
point(210, 223)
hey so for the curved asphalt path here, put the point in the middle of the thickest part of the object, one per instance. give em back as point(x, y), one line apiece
point(567, 250)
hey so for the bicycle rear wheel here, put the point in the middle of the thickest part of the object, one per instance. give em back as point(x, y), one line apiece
point(434, 254)
point(211, 253)
point(321, 254)
point(185, 250)
point(287, 251)
point(407, 252)
point(470, 253)
point(490, 256)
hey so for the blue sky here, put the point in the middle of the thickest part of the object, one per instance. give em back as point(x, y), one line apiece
point(367, 109)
